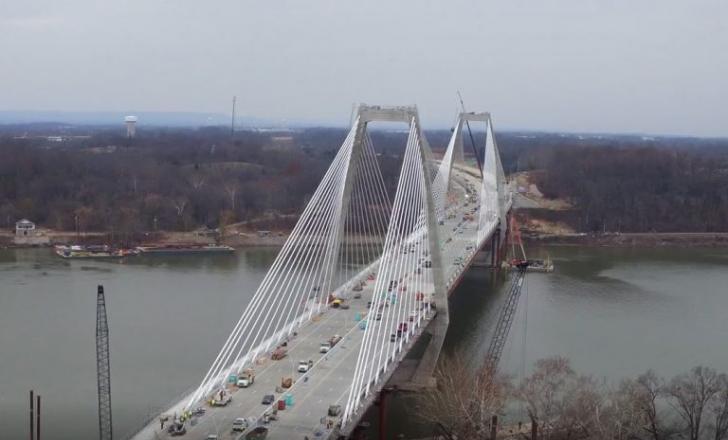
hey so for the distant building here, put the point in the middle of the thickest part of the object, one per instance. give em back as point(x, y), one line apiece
point(130, 122)
point(27, 234)
point(281, 143)
point(25, 228)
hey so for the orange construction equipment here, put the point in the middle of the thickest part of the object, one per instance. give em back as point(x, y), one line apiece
point(515, 238)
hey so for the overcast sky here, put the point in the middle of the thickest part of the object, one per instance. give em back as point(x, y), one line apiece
point(658, 66)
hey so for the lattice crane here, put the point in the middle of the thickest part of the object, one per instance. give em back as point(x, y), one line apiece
point(102, 367)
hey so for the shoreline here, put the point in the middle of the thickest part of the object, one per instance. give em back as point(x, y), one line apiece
point(632, 239)
point(278, 238)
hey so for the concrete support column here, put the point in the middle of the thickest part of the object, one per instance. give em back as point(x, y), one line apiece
point(437, 328)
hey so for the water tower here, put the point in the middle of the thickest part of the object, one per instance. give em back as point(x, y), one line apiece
point(130, 122)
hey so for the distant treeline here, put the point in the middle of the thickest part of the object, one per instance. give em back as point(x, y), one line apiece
point(640, 189)
point(182, 179)
point(164, 179)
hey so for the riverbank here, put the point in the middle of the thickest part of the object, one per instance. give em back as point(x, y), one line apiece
point(635, 239)
point(236, 239)
point(278, 238)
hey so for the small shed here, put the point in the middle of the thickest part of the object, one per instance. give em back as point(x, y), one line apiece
point(24, 228)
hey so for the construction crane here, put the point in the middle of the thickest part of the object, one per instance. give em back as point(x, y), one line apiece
point(505, 319)
point(102, 367)
point(508, 311)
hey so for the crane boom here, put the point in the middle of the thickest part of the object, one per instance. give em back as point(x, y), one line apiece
point(505, 320)
point(102, 367)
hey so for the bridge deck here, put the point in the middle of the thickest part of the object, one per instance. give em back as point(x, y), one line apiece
point(328, 381)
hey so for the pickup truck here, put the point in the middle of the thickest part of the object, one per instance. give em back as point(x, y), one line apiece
point(304, 366)
point(328, 345)
point(246, 379)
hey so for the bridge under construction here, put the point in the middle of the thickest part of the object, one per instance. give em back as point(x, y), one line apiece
point(363, 276)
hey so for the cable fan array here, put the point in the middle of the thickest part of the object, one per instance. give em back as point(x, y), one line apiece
point(489, 191)
point(350, 233)
point(336, 242)
point(404, 285)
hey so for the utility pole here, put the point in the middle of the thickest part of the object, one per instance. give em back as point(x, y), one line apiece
point(37, 418)
point(102, 367)
point(31, 416)
point(232, 121)
point(34, 418)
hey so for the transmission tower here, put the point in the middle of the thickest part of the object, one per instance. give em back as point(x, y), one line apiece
point(102, 367)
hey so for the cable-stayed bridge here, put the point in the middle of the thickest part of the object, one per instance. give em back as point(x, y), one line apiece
point(363, 263)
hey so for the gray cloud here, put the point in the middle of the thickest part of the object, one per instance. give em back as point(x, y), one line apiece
point(578, 65)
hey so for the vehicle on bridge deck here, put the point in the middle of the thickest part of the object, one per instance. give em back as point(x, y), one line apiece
point(240, 424)
point(221, 398)
point(279, 353)
point(247, 378)
point(176, 429)
point(328, 345)
point(304, 366)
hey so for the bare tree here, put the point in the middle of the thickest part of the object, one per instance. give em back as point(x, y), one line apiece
point(579, 408)
point(719, 408)
point(542, 391)
point(197, 181)
point(464, 400)
point(232, 188)
point(180, 203)
point(649, 388)
point(691, 393)
point(227, 217)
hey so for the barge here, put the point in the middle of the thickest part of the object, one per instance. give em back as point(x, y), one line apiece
point(176, 249)
point(92, 251)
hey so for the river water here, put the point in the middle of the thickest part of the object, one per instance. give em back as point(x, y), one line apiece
point(613, 312)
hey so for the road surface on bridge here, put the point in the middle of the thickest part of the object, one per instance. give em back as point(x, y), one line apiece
point(328, 381)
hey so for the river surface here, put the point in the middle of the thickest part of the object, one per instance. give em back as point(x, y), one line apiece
point(613, 312)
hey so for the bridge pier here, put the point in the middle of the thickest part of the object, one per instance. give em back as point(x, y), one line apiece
point(495, 249)
point(424, 375)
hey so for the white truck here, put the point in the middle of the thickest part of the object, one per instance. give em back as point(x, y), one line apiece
point(328, 345)
point(246, 379)
point(304, 366)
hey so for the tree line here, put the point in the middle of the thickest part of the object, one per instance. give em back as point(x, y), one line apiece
point(162, 180)
point(182, 179)
point(561, 404)
point(639, 189)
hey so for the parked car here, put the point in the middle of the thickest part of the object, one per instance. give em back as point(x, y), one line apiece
point(268, 399)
